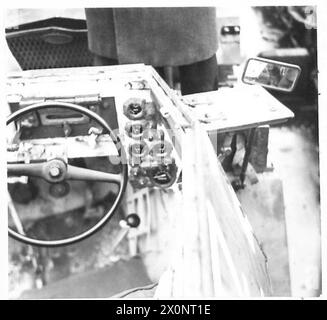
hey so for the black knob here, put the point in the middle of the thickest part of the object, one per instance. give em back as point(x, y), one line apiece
point(133, 220)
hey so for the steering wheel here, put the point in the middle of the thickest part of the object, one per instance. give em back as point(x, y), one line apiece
point(56, 170)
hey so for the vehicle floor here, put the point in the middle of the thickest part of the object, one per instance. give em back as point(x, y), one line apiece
point(284, 207)
point(98, 267)
point(102, 283)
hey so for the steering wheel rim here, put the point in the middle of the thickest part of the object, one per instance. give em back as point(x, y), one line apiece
point(122, 186)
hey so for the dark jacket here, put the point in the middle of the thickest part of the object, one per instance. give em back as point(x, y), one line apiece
point(154, 36)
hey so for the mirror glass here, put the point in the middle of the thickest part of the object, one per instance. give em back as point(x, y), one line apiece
point(271, 74)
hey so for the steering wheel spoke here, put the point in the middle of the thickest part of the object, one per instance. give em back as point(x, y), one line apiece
point(56, 170)
point(77, 173)
point(25, 169)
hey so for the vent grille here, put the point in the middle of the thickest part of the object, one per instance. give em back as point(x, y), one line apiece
point(49, 46)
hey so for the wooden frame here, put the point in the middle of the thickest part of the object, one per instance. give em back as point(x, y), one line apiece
point(195, 231)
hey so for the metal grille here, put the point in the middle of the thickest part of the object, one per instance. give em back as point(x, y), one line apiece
point(50, 44)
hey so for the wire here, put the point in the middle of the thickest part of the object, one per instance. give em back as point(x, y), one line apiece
point(127, 292)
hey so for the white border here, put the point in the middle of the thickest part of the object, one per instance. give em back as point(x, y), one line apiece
point(322, 65)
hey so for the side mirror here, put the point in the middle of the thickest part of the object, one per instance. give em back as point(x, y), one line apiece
point(271, 74)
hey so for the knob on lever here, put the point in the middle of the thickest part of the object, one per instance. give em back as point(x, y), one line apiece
point(131, 221)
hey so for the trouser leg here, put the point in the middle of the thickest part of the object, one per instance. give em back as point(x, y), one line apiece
point(200, 76)
point(197, 77)
point(103, 61)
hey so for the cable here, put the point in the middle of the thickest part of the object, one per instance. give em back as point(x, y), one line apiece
point(127, 292)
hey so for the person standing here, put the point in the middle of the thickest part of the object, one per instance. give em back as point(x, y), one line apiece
point(183, 37)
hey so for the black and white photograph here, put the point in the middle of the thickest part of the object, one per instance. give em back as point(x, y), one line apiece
point(163, 152)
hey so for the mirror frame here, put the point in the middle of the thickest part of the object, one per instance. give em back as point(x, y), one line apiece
point(284, 64)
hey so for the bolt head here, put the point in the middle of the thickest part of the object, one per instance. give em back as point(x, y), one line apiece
point(54, 172)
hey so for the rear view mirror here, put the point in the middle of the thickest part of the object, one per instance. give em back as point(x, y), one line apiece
point(271, 74)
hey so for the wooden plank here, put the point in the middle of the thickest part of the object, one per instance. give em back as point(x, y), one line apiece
point(240, 108)
point(72, 82)
point(241, 247)
point(211, 218)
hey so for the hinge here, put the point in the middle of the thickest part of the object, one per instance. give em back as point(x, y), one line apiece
point(80, 100)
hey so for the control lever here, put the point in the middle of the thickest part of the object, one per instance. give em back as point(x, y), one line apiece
point(131, 221)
